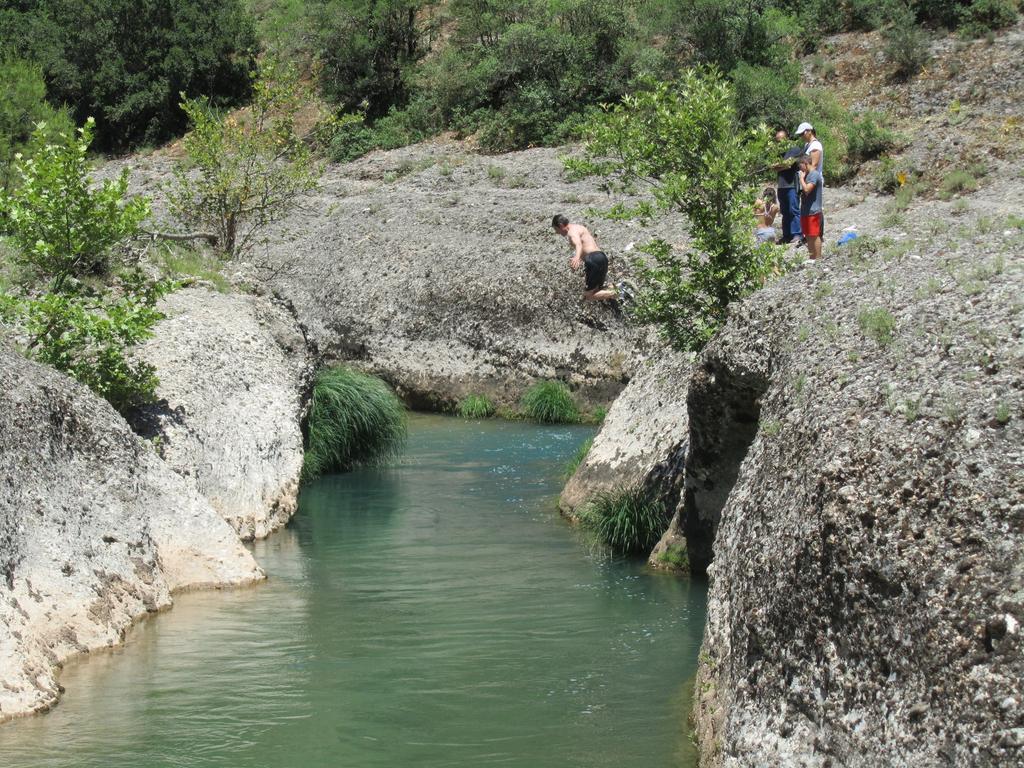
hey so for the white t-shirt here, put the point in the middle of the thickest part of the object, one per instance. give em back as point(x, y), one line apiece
point(810, 147)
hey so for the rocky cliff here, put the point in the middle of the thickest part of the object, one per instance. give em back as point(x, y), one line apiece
point(95, 531)
point(644, 437)
point(868, 571)
point(854, 479)
point(233, 370)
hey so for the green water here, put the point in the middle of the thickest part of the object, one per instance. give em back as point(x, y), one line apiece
point(436, 613)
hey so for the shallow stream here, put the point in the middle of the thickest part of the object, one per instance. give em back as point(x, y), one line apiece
point(434, 613)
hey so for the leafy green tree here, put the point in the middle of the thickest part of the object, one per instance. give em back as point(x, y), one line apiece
point(85, 302)
point(126, 62)
point(367, 48)
point(63, 226)
point(682, 141)
point(244, 172)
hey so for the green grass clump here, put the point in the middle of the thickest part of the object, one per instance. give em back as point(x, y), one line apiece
point(354, 419)
point(476, 407)
point(878, 324)
point(627, 520)
point(577, 458)
point(550, 402)
point(956, 182)
point(675, 556)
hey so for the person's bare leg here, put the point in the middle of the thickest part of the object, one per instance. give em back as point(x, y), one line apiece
point(600, 294)
point(815, 249)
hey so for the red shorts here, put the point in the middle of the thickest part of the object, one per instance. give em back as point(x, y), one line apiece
point(811, 226)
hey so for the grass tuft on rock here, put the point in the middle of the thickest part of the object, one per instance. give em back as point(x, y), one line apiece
point(476, 407)
point(577, 458)
point(550, 402)
point(627, 520)
point(354, 419)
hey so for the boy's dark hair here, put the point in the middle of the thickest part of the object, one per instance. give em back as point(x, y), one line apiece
point(804, 159)
point(769, 196)
point(558, 220)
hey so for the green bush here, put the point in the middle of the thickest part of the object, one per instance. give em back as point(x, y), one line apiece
point(550, 402)
point(628, 520)
point(63, 225)
point(768, 94)
point(683, 140)
point(878, 324)
point(126, 63)
point(82, 302)
point(577, 458)
point(22, 105)
point(366, 51)
point(241, 175)
point(476, 407)
point(869, 137)
point(955, 182)
point(354, 418)
point(984, 16)
point(907, 46)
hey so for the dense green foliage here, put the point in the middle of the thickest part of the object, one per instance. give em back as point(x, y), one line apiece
point(354, 418)
point(126, 62)
point(242, 173)
point(80, 302)
point(476, 407)
point(682, 142)
point(626, 520)
point(550, 402)
point(516, 73)
point(22, 105)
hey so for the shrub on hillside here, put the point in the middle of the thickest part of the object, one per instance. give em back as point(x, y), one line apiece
point(984, 16)
point(354, 418)
point(550, 402)
point(768, 94)
point(627, 520)
point(22, 105)
point(869, 138)
point(126, 63)
point(683, 140)
point(82, 303)
point(907, 46)
point(243, 173)
point(367, 51)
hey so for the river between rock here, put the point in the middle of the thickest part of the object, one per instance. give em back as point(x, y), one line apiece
point(438, 612)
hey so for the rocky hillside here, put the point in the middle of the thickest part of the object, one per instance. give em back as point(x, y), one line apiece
point(438, 269)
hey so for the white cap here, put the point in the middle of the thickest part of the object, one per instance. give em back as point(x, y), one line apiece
point(804, 127)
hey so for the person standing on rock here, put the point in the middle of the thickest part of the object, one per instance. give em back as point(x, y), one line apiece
point(586, 253)
point(812, 217)
point(789, 199)
point(812, 147)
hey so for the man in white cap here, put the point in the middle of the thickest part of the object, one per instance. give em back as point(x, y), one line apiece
point(812, 146)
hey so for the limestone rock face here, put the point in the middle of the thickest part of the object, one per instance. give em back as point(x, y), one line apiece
point(232, 372)
point(439, 270)
point(95, 531)
point(867, 588)
point(643, 439)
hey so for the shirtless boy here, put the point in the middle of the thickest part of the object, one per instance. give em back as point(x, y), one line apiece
point(587, 253)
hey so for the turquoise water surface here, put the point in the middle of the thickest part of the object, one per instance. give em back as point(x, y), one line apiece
point(434, 613)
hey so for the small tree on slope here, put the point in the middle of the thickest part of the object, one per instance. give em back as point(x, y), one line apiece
point(682, 142)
